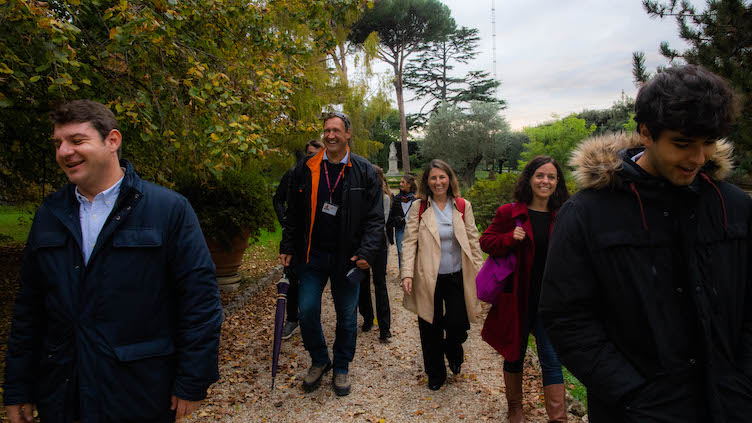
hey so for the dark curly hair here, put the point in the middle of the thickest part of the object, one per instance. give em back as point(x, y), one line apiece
point(688, 99)
point(523, 193)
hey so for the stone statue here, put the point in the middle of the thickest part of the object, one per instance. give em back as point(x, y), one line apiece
point(393, 171)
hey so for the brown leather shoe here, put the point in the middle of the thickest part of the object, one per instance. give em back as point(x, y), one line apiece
point(513, 385)
point(556, 403)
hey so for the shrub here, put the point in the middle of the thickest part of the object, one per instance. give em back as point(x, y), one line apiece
point(240, 200)
point(487, 196)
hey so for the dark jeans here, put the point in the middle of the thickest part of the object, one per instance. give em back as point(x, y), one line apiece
point(292, 293)
point(313, 276)
point(378, 270)
point(399, 234)
point(550, 364)
point(450, 316)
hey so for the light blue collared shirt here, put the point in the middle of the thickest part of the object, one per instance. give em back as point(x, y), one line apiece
point(344, 159)
point(94, 214)
point(451, 252)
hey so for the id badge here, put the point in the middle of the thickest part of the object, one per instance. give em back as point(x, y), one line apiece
point(330, 209)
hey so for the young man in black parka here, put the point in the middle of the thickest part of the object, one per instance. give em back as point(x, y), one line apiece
point(647, 294)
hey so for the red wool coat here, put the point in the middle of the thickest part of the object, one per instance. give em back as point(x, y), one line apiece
point(503, 326)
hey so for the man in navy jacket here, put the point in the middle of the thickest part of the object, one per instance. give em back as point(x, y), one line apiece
point(118, 314)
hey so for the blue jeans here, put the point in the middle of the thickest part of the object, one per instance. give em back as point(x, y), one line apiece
point(398, 235)
point(312, 279)
point(550, 364)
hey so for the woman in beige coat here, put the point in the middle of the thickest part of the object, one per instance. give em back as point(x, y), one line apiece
point(441, 257)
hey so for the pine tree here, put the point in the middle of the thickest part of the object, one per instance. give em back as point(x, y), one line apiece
point(402, 26)
point(720, 39)
point(430, 74)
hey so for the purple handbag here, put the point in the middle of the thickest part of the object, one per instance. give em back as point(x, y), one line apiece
point(495, 275)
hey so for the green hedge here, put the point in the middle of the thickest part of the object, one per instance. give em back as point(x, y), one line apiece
point(487, 196)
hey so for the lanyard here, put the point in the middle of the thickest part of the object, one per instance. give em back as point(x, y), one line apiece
point(328, 184)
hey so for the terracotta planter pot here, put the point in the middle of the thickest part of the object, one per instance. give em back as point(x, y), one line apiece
point(228, 261)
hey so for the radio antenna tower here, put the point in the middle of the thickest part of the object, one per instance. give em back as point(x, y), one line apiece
point(493, 35)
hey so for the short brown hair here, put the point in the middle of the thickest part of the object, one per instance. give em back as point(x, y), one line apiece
point(454, 187)
point(81, 111)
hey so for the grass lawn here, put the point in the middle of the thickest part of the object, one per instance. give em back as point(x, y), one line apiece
point(15, 222)
point(266, 238)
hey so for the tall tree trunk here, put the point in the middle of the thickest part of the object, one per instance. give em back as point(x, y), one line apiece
point(467, 174)
point(343, 65)
point(403, 120)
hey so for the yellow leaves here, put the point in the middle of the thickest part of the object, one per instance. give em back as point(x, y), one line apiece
point(34, 78)
point(214, 136)
point(86, 81)
point(5, 69)
point(114, 32)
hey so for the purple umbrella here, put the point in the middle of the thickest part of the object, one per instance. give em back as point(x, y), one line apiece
point(279, 319)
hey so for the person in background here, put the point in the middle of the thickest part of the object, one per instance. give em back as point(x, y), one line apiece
point(378, 270)
point(399, 210)
point(280, 202)
point(523, 228)
point(334, 225)
point(118, 313)
point(441, 260)
point(647, 293)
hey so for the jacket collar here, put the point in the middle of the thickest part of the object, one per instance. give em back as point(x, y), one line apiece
point(604, 160)
point(64, 205)
point(66, 197)
point(519, 209)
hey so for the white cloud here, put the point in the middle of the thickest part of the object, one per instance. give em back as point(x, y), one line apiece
point(558, 56)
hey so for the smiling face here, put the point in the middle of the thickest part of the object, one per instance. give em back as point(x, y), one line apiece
point(87, 160)
point(438, 182)
point(335, 137)
point(675, 157)
point(543, 182)
point(404, 185)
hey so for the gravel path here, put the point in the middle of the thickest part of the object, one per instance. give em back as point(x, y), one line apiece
point(388, 382)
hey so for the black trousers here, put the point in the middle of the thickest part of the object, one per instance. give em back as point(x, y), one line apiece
point(449, 329)
point(383, 313)
point(292, 292)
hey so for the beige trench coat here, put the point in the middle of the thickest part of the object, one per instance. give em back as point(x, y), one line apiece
point(421, 253)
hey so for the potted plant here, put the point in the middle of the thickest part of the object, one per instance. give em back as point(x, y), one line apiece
point(232, 207)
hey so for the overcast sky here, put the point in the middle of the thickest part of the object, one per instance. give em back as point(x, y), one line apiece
point(561, 56)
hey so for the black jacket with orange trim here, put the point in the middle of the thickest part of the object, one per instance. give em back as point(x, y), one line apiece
point(361, 229)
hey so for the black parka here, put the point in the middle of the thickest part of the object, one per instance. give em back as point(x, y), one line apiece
point(361, 231)
point(646, 295)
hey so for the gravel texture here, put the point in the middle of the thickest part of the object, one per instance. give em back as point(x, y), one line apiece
point(388, 382)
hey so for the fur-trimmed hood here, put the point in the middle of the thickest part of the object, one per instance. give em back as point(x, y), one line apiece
point(598, 160)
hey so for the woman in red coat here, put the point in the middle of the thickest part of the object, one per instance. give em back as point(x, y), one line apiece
point(523, 228)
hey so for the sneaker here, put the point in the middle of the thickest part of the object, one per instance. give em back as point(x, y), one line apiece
point(341, 382)
point(289, 329)
point(367, 325)
point(312, 379)
point(384, 338)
